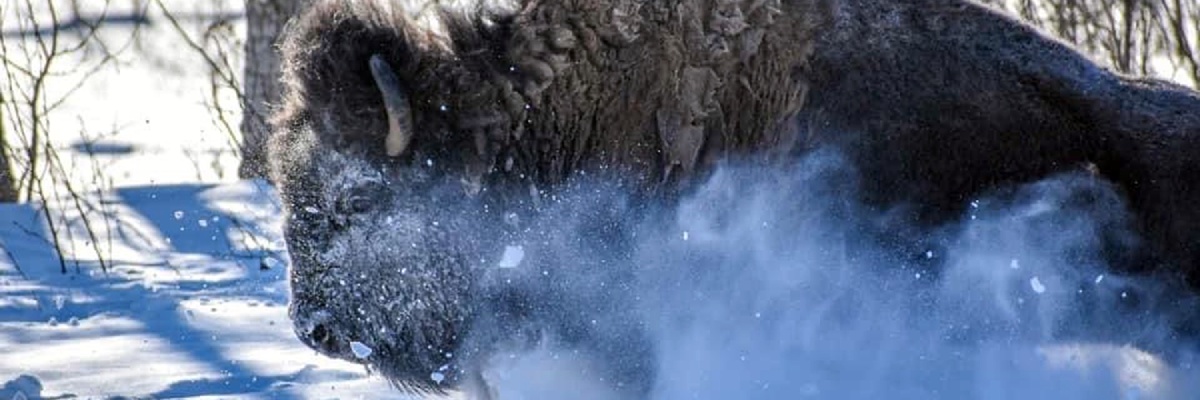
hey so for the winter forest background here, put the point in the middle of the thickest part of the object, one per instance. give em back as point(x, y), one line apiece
point(142, 253)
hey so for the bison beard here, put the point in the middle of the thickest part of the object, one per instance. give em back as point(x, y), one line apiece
point(408, 129)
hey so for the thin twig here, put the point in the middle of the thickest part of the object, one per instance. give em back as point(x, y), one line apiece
point(226, 77)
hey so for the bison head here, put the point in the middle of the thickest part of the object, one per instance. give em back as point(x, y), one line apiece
point(384, 153)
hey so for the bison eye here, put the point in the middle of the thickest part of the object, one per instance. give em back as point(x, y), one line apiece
point(358, 205)
point(361, 199)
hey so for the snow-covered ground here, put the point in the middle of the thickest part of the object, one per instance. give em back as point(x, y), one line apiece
point(194, 303)
point(191, 299)
point(194, 300)
point(194, 306)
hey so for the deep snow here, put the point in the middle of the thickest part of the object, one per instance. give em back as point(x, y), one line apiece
point(757, 289)
point(753, 288)
point(186, 310)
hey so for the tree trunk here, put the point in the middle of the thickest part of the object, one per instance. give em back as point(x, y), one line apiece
point(8, 185)
point(265, 20)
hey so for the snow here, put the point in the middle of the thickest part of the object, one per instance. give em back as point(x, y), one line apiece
point(512, 257)
point(437, 376)
point(198, 317)
point(360, 350)
point(194, 300)
point(1036, 285)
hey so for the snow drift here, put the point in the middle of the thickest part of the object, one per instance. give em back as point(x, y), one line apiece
point(768, 283)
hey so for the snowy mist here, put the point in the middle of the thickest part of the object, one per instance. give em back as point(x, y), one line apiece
point(770, 284)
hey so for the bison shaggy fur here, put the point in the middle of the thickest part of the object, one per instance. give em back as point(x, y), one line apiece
point(406, 123)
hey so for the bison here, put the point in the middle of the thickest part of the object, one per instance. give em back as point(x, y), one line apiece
point(408, 125)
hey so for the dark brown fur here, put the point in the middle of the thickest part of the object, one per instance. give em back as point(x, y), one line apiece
point(939, 101)
point(935, 101)
point(565, 87)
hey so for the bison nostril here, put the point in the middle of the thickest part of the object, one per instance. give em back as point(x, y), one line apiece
point(323, 338)
point(318, 333)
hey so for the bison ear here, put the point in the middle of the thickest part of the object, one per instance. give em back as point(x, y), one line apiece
point(395, 101)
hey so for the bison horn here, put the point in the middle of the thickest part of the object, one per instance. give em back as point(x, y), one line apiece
point(399, 112)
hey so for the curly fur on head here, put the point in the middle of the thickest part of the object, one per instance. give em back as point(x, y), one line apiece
point(619, 72)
